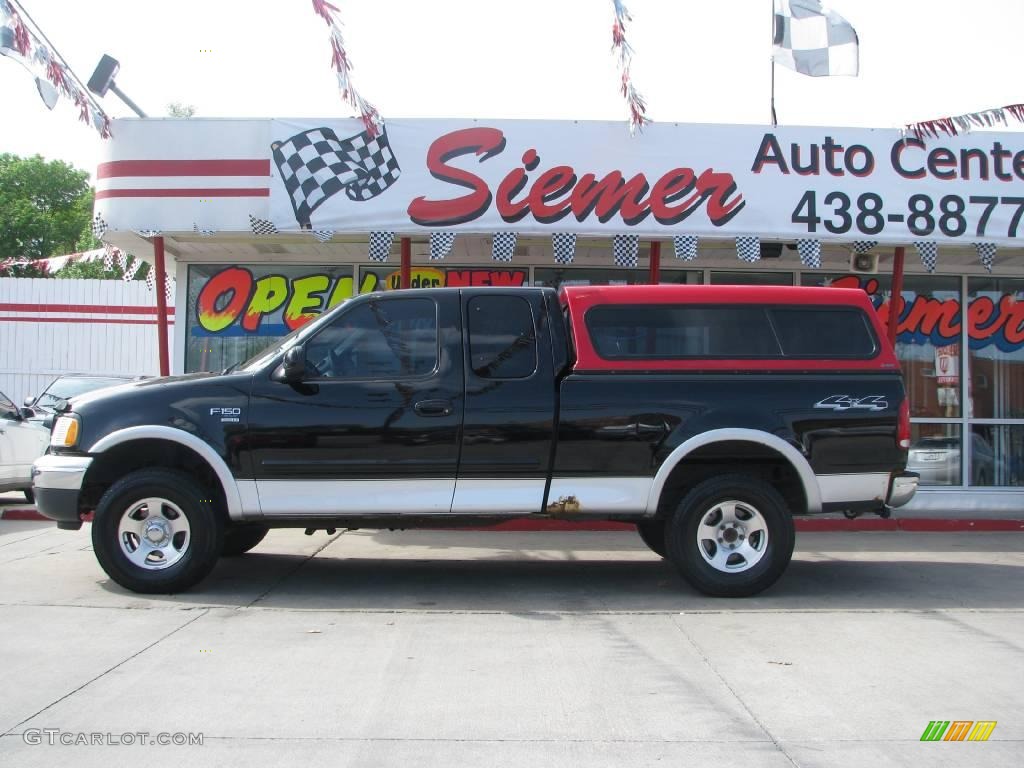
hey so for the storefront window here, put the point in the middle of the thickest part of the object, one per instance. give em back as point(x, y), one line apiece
point(556, 277)
point(234, 312)
point(996, 323)
point(997, 454)
point(928, 335)
point(751, 278)
point(935, 453)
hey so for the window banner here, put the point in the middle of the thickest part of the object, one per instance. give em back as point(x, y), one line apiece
point(268, 301)
point(577, 177)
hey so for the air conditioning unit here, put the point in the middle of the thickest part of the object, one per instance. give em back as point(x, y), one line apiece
point(864, 263)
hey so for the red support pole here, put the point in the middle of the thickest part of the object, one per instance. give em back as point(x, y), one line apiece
point(655, 263)
point(896, 300)
point(161, 304)
point(406, 271)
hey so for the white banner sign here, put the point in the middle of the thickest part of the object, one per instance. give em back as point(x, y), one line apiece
point(589, 178)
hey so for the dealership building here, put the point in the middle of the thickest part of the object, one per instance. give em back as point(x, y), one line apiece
point(262, 224)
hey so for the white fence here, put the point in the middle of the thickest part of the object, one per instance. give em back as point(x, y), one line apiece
point(49, 327)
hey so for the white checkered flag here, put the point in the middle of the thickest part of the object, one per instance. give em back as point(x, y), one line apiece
point(564, 244)
point(685, 247)
point(814, 40)
point(151, 278)
point(929, 251)
point(316, 164)
point(625, 249)
point(863, 246)
point(132, 269)
point(748, 248)
point(987, 254)
point(441, 244)
point(810, 252)
point(503, 246)
point(380, 245)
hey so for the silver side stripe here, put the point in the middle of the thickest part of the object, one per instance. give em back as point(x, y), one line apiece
point(853, 487)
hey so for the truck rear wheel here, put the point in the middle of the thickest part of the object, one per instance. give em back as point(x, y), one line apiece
point(653, 534)
point(156, 531)
point(731, 536)
point(239, 539)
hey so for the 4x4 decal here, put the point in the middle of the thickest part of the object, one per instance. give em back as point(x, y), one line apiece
point(848, 402)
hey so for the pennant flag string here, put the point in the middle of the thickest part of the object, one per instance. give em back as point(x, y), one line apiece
point(343, 67)
point(503, 246)
point(625, 249)
point(441, 244)
point(26, 43)
point(957, 124)
point(685, 247)
point(621, 47)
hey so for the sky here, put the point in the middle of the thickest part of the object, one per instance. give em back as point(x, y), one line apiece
point(699, 61)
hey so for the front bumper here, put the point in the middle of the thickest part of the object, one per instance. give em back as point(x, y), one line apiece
point(902, 489)
point(56, 482)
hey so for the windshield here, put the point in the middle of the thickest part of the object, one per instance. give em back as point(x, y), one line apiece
point(262, 358)
point(69, 386)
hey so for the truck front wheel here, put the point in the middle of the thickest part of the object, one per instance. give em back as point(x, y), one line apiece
point(157, 531)
point(731, 536)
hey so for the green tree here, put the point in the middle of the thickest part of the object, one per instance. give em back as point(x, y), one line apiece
point(45, 207)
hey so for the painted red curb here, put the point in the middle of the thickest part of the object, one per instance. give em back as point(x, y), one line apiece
point(808, 525)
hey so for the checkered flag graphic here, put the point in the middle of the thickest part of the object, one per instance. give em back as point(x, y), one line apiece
point(148, 233)
point(150, 278)
point(503, 246)
point(810, 252)
point(122, 260)
point(132, 269)
point(316, 164)
point(323, 235)
point(685, 247)
point(168, 286)
point(261, 226)
point(99, 226)
point(380, 245)
point(929, 251)
point(813, 40)
point(625, 249)
point(863, 246)
point(564, 244)
point(202, 232)
point(748, 248)
point(987, 254)
point(108, 257)
point(441, 244)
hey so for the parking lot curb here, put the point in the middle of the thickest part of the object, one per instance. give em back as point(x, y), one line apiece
point(809, 525)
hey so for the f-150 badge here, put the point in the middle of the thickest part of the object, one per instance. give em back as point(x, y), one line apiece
point(848, 402)
point(227, 414)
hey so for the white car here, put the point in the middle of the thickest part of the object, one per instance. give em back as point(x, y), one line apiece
point(21, 443)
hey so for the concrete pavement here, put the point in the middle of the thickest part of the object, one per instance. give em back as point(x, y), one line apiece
point(452, 648)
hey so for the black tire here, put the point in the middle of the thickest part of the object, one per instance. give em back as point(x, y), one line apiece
point(239, 539)
point(653, 534)
point(705, 503)
point(30, 496)
point(202, 545)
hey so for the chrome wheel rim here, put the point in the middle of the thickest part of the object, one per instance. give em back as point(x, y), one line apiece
point(732, 536)
point(154, 534)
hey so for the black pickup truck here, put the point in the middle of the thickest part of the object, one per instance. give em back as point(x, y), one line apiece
point(709, 416)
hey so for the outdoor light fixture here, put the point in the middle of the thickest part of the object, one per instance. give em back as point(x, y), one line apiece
point(102, 80)
point(47, 91)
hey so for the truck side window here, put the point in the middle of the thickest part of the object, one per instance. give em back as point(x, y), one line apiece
point(389, 339)
point(502, 337)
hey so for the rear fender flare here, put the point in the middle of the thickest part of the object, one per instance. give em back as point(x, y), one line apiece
point(799, 463)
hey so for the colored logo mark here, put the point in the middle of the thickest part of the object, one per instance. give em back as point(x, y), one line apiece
point(958, 730)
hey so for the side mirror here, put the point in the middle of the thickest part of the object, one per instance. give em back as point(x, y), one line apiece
point(293, 367)
point(28, 401)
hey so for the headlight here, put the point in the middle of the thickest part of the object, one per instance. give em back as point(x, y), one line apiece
point(65, 432)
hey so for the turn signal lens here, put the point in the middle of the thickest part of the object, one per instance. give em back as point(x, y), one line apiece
point(903, 432)
point(65, 432)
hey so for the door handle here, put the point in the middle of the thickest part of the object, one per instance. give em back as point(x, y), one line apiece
point(433, 408)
